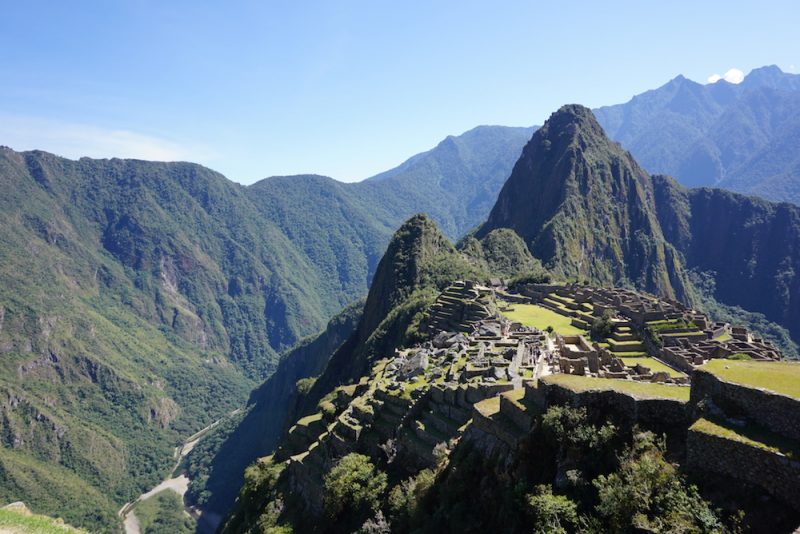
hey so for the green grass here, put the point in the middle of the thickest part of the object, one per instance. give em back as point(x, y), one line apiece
point(307, 420)
point(641, 390)
point(541, 318)
point(724, 337)
point(780, 377)
point(749, 435)
point(630, 354)
point(654, 365)
point(488, 407)
point(163, 513)
point(16, 522)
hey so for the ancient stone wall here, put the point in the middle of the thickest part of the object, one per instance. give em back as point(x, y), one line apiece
point(661, 415)
point(774, 472)
point(778, 413)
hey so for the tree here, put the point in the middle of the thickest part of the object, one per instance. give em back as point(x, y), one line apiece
point(353, 486)
point(553, 514)
point(647, 493)
point(602, 326)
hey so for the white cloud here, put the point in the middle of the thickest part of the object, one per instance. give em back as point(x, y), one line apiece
point(76, 140)
point(732, 76)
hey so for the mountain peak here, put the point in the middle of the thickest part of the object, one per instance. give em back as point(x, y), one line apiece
point(583, 206)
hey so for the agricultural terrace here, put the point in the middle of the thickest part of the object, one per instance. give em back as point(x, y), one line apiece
point(640, 390)
point(541, 318)
point(655, 365)
point(781, 377)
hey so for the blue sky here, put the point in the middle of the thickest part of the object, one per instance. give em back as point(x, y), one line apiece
point(345, 88)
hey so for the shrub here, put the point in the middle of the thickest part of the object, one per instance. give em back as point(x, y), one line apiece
point(647, 493)
point(354, 486)
point(554, 514)
point(304, 385)
point(602, 326)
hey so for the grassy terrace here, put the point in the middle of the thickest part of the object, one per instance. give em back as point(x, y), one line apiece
point(488, 407)
point(640, 390)
point(541, 318)
point(780, 377)
point(15, 522)
point(654, 365)
point(307, 420)
point(749, 435)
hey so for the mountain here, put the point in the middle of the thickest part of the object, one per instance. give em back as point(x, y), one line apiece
point(418, 262)
point(140, 301)
point(404, 432)
point(456, 183)
point(749, 247)
point(586, 209)
point(733, 136)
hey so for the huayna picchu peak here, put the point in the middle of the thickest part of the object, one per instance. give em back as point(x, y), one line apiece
point(587, 209)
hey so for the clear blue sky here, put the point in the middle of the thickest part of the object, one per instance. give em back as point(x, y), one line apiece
point(345, 88)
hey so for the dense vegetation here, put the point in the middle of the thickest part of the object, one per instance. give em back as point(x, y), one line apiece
point(575, 474)
point(140, 301)
point(586, 210)
point(216, 465)
point(745, 251)
point(163, 513)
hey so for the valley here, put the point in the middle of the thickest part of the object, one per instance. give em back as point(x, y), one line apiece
point(142, 302)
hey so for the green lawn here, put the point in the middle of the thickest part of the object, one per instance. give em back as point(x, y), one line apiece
point(642, 390)
point(724, 337)
point(750, 435)
point(541, 318)
point(780, 377)
point(17, 522)
point(654, 365)
point(307, 420)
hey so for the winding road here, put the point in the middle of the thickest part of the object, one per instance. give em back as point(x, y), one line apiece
point(179, 484)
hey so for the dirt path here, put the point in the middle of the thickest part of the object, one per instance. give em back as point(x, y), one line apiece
point(131, 523)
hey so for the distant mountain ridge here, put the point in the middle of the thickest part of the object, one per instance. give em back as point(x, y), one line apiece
point(733, 136)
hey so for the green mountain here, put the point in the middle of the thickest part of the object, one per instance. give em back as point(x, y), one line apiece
point(140, 301)
point(749, 247)
point(455, 183)
point(586, 209)
point(734, 136)
point(419, 261)
point(374, 449)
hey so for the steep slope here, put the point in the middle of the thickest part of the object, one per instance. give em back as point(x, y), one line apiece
point(418, 261)
point(139, 301)
point(586, 208)
point(217, 464)
point(737, 137)
point(750, 246)
point(343, 235)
